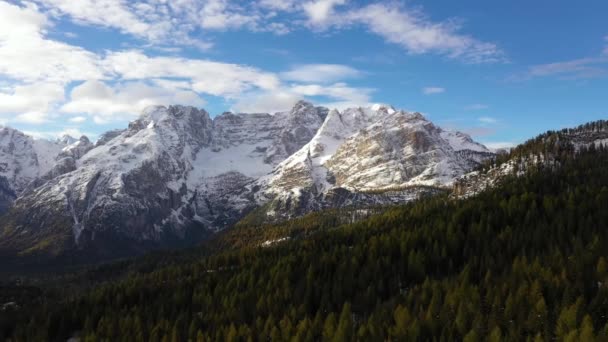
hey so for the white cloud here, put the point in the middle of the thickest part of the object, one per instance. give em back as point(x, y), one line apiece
point(216, 15)
point(27, 56)
point(167, 22)
point(32, 101)
point(282, 5)
point(108, 13)
point(417, 34)
point(578, 68)
point(581, 68)
point(322, 73)
point(268, 102)
point(54, 134)
point(432, 90)
point(338, 91)
point(319, 12)
point(154, 21)
point(77, 119)
point(106, 103)
point(215, 78)
point(476, 106)
point(487, 120)
point(224, 15)
point(337, 95)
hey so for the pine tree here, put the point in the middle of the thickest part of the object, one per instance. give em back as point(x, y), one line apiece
point(344, 331)
point(586, 330)
point(329, 327)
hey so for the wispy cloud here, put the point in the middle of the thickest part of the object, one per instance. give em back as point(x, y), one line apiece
point(417, 34)
point(320, 12)
point(432, 90)
point(77, 119)
point(581, 68)
point(320, 73)
point(487, 120)
point(576, 69)
point(54, 134)
point(169, 22)
point(336, 95)
point(476, 106)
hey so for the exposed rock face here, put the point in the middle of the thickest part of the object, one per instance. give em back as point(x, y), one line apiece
point(107, 136)
point(362, 152)
point(7, 195)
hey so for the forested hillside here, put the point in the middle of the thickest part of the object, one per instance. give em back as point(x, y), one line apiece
point(526, 260)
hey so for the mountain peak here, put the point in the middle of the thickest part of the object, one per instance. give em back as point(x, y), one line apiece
point(66, 139)
point(383, 107)
point(301, 104)
point(173, 115)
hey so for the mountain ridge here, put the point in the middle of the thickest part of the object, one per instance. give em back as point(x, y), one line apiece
point(176, 174)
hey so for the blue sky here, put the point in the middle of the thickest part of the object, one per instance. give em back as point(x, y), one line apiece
point(500, 71)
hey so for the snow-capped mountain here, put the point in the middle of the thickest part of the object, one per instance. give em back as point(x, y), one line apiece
point(24, 159)
point(176, 174)
point(173, 172)
point(365, 150)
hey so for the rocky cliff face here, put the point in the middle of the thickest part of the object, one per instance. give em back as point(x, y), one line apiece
point(362, 152)
point(7, 195)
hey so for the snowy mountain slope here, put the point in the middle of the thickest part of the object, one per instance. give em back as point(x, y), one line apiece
point(369, 150)
point(23, 158)
point(65, 161)
point(174, 172)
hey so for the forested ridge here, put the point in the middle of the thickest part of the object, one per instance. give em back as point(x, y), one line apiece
point(526, 260)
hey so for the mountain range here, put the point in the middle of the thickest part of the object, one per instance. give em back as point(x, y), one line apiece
point(175, 175)
point(515, 250)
